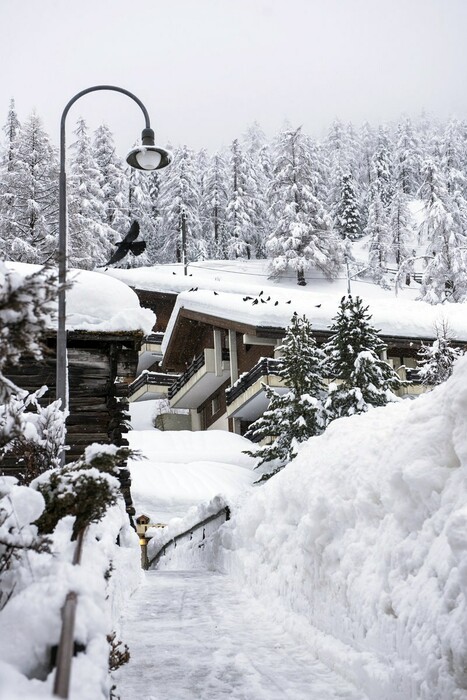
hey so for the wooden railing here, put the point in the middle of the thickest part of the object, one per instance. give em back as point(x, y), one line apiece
point(263, 368)
point(224, 513)
point(66, 644)
point(196, 365)
point(152, 378)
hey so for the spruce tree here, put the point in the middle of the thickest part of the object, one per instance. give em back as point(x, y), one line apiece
point(444, 233)
point(360, 378)
point(244, 224)
point(90, 241)
point(179, 201)
point(346, 209)
point(29, 208)
point(296, 415)
point(436, 361)
point(213, 207)
point(302, 237)
point(112, 180)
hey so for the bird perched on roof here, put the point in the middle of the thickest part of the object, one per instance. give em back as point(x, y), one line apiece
point(128, 245)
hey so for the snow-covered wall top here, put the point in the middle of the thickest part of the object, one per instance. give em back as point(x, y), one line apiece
point(97, 302)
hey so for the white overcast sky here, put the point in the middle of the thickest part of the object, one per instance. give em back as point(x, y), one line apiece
point(206, 69)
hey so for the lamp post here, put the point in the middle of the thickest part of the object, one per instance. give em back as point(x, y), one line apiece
point(145, 157)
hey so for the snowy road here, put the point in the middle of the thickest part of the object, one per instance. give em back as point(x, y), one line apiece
point(193, 635)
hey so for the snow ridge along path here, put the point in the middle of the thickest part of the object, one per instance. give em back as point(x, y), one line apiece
point(195, 635)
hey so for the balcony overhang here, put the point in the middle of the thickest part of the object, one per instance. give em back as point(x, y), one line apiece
point(252, 402)
point(150, 385)
point(202, 383)
point(150, 351)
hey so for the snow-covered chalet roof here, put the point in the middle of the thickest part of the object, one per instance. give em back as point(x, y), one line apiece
point(97, 302)
point(395, 315)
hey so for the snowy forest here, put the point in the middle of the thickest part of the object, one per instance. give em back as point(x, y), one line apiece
point(301, 203)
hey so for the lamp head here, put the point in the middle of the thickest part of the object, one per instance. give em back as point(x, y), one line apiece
point(148, 156)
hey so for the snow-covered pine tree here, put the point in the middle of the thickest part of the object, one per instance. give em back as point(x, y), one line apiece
point(8, 165)
point(303, 236)
point(407, 159)
point(360, 378)
point(112, 180)
point(444, 234)
point(379, 235)
point(244, 228)
point(90, 239)
point(298, 414)
point(453, 163)
point(140, 208)
point(179, 203)
point(346, 211)
point(29, 208)
point(213, 207)
point(367, 148)
point(400, 226)
point(436, 361)
point(381, 169)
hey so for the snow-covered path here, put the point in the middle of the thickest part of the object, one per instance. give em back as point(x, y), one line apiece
point(193, 635)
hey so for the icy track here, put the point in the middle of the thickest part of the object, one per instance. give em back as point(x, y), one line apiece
point(194, 635)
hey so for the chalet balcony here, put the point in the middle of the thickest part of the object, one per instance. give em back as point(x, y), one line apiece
point(200, 380)
point(246, 399)
point(150, 351)
point(151, 385)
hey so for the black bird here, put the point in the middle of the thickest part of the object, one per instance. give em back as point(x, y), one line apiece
point(128, 245)
point(174, 273)
point(247, 298)
point(317, 306)
point(216, 293)
point(276, 303)
point(289, 302)
point(260, 293)
point(268, 299)
point(254, 302)
point(262, 301)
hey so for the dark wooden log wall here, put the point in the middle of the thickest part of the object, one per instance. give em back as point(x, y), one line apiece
point(101, 365)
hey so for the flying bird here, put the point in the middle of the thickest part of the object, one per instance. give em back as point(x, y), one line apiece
point(254, 302)
point(247, 298)
point(128, 245)
point(276, 303)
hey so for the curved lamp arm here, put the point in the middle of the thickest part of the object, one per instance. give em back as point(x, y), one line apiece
point(163, 159)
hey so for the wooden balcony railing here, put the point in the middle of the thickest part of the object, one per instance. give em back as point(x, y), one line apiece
point(263, 368)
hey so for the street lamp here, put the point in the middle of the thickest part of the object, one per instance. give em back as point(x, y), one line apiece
point(145, 157)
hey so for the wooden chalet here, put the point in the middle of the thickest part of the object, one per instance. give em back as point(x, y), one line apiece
point(224, 365)
point(212, 352)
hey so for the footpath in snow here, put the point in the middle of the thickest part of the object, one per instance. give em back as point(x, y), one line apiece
point(195, 635)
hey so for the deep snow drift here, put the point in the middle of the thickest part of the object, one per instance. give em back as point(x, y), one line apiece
point(360, 543)
point(181, 469)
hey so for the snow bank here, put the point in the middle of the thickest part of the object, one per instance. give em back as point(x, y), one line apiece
point(360, 544)
point(97, 302)
point(31, 620)
point(182, 469)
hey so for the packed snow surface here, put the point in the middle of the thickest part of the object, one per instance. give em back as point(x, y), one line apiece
point(97, 302)
point(201, 637)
